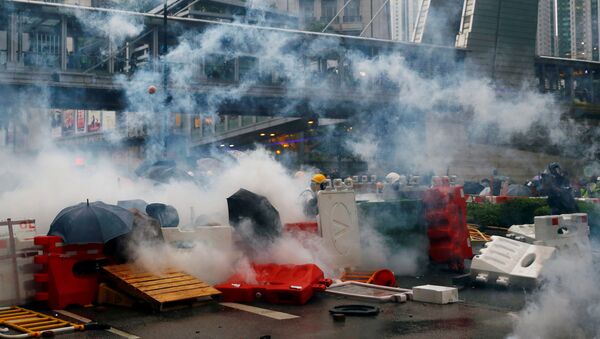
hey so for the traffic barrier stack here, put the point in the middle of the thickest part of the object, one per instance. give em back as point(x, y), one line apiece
point(446, 217)
point(59, 285)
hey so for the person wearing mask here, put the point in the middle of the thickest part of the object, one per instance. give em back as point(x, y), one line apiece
point(309, 195)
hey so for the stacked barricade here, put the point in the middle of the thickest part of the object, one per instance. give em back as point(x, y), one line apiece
point(61, 284)
point(446, 218)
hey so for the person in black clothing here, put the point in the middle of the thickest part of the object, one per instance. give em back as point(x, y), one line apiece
point(557, 187)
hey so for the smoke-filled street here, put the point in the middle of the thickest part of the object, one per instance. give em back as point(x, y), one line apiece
point(299, 168)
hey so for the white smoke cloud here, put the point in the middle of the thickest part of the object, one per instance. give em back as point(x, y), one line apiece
point(566, 305)
point(117, 27)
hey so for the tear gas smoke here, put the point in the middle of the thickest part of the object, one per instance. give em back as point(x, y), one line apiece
point(416, 132)
point(51, 181)
point(114, 26)
point(567, 304)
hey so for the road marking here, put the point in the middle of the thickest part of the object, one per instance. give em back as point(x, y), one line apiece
point(86, 321)
point(122, 334)
point(261, 311)
point(73, 316)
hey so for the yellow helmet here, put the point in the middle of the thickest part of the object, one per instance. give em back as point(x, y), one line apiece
point(318, 178)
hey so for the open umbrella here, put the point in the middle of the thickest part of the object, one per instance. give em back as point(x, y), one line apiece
point(94, 222)
point(264, 218)
point(163, 171)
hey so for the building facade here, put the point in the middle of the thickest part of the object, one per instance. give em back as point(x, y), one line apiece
point(367, 18)
point(403, 16)
point(568, 29)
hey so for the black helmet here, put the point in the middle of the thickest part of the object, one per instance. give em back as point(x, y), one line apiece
point(554, 169)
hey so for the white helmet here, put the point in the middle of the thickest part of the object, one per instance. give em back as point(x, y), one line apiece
point(392, 177)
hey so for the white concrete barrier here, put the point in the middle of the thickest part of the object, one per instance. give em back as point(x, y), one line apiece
point(508, 262)
point(566, 232)
point(338, 226)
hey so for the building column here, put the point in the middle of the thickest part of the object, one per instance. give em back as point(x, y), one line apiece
point(63, 43)
point(111, 59)
point(13, 39)
point(236, 69)
point(155, 48)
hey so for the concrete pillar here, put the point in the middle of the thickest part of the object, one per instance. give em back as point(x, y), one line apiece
point(63, 43)
point(155, 48)
point(236, 70)
point(111, 59)
point(13, 39)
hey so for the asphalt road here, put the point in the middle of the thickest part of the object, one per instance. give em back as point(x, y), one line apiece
point(482, 313)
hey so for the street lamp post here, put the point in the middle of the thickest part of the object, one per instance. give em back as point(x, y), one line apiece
point(165, 72)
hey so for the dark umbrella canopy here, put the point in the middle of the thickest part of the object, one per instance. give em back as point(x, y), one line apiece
point(264, 218)
point(164, 174)
point(94, 222)
point(516, 190)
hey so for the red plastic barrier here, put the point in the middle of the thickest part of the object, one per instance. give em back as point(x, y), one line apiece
point(58, 284)
point(446, 217)
point(276, 284)
point(308, 226)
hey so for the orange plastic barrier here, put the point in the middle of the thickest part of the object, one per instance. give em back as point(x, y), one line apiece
point(58, 284)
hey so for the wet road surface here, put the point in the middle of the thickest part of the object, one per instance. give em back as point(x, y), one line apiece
point(482, 313)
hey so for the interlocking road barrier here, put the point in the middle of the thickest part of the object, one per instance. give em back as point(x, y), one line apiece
point(508, 262)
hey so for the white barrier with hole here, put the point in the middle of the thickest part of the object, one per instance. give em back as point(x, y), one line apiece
point(566, 232)
point(338, 225)
point(562, 231)
point(216, 237)
point(508, 262)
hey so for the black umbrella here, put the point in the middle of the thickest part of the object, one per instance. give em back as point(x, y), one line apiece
point(165, 174)
point(95, 222)
point(163, 171)
point(264, 218)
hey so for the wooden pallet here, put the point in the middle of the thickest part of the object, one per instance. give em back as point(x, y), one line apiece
point(170, 288)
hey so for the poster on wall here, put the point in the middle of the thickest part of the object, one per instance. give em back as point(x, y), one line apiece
point(68, 122)
point(109, 120)
point(94, 121)
point(80, 121)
